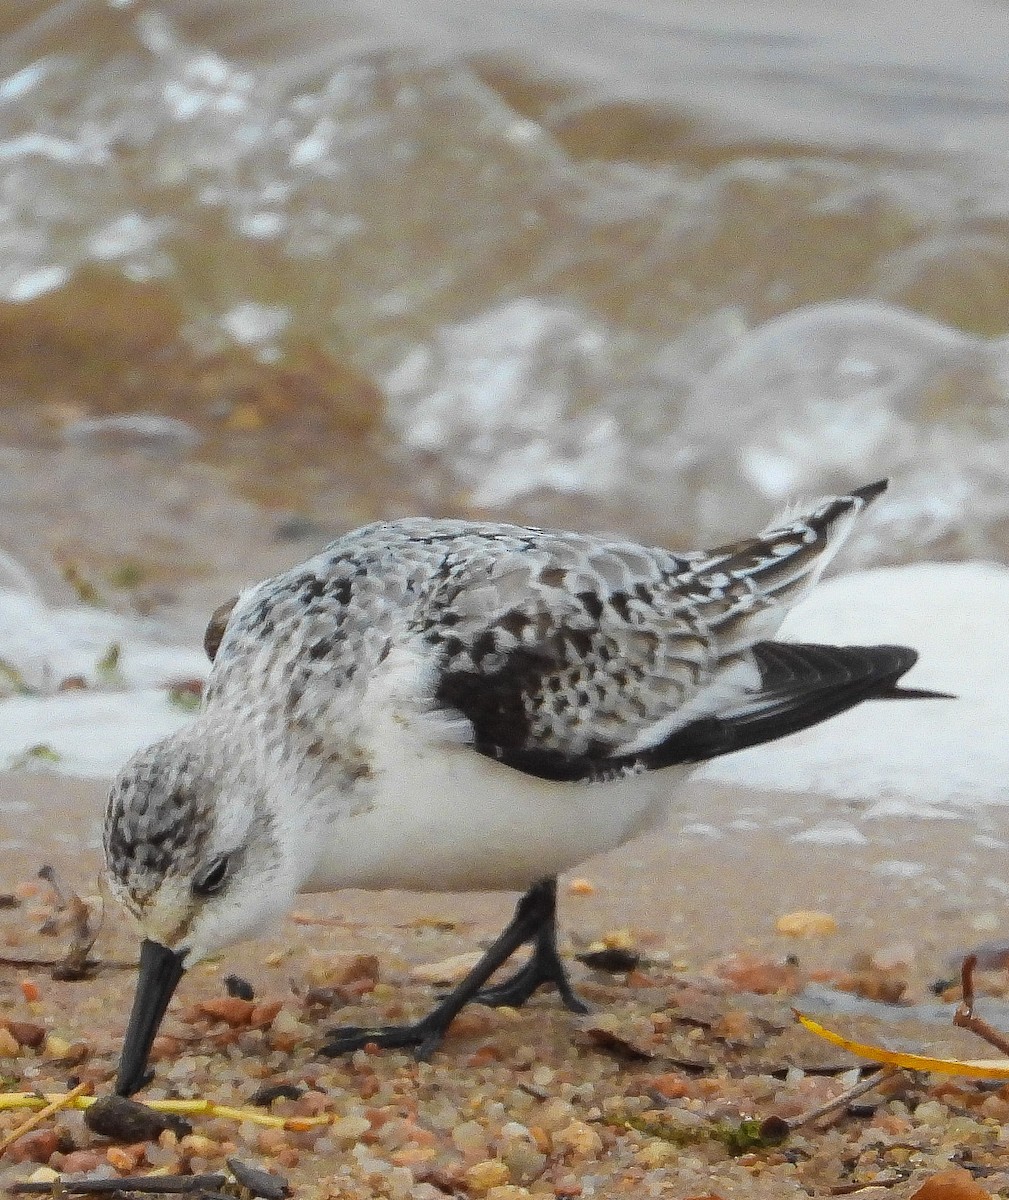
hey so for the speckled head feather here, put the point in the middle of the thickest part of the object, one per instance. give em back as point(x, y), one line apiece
point(158, 820)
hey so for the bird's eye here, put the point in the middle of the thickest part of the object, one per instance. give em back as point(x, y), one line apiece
point(212, 878)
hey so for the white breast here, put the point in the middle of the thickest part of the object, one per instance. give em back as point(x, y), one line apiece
point(434, 815)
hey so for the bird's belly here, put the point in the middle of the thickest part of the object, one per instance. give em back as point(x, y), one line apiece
point(437, 817)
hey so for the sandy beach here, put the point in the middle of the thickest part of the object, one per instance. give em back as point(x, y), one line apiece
point(537, 1102)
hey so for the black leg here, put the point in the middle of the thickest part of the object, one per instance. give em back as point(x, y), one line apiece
point(426, 1034)
point(544, 966)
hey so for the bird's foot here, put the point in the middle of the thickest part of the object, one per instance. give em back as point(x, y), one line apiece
point(423, 1037)
point(514, 991)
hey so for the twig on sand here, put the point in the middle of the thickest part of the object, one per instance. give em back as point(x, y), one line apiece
point(77, 963)
point(165, 1185)
point(36, 1119)
point(965, 1018)
point(883, 1075)
point(92, 964)
point(184, 1108)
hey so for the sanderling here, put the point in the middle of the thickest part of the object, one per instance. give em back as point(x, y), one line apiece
point(447, 705)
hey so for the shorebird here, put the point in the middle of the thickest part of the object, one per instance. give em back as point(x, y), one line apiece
point(449, 705)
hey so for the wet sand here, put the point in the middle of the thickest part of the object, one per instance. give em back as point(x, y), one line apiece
point(529, 1103)
point(699, 891)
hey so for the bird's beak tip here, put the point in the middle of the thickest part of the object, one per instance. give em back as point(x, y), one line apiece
point(161, 968)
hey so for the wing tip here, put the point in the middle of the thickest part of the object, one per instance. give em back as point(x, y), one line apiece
point(870, 491)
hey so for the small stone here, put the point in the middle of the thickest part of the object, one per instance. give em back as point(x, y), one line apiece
point(239, 988)
point(735, 1025)
point(10, 1047)
point(338, 970)
point(35, 1147)
point(657, 1153)
point(895, 956)
point(672, 1085)
point(579, 1138)
point(448, 971)
point(125, 1159)
point(81, 1162)
point(27, 1033)
point(483, 1176)
point(470, 1139)
point(350, 1128)
point(197, 1146)
point(43, 1175)
point(806, 923)
point(285, 1022)
point(581, 887)
point(472, 1022)
point(165, 1047)
point(229, 1009)
point(125, 1120)
point(264, 1096)
point(264, 1013)
point(272, 1142)
point(751, 973)
point(57, 1047)
point(260, 1183)
point(952, 1184)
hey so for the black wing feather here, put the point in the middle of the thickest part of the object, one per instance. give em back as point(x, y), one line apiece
point(800, 686)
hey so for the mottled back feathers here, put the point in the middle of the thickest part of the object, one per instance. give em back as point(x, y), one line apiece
point(570, 656)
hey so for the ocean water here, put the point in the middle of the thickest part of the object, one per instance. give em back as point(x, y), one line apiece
point(641, 267)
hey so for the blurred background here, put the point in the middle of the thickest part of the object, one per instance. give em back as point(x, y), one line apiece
point(651, 267)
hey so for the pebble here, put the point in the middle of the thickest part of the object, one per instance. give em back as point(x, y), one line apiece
point(350, 1128)
point(125, 1120)
point(81, 1162)
point(231, 1010)
point(470, 1139)
point(579, 1139)
point(581, 887)
point(448, 971)
point(340, 969)
point(893, 956)
point(260, 1183)
point(43, 1175)
point(264, 1013)
point(57, 1047)
point(125, 1159)
point(239, 988)
point(26, 1033)
point(35, 1147)
point(484, 1175)
point(806, 923)
point(10, 1047)
point(952, 1184)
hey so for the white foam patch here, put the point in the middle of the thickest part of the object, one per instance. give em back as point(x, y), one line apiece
point(922, 757)
point(92, 732)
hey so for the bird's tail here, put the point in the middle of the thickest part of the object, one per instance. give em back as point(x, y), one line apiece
point(759, 579)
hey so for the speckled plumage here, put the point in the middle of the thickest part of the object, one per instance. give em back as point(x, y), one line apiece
point(354, 697)
point(550, 642)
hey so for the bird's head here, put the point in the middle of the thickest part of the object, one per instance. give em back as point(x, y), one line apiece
point(193, 852)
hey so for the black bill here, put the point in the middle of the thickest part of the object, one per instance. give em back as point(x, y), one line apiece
point(160, 971)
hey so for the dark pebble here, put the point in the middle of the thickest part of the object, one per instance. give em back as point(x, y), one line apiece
point(263, 1097)
point(259, 1182)
point(125, 1120)
point(9, 901)
point(238, 987)
point(613, 960)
